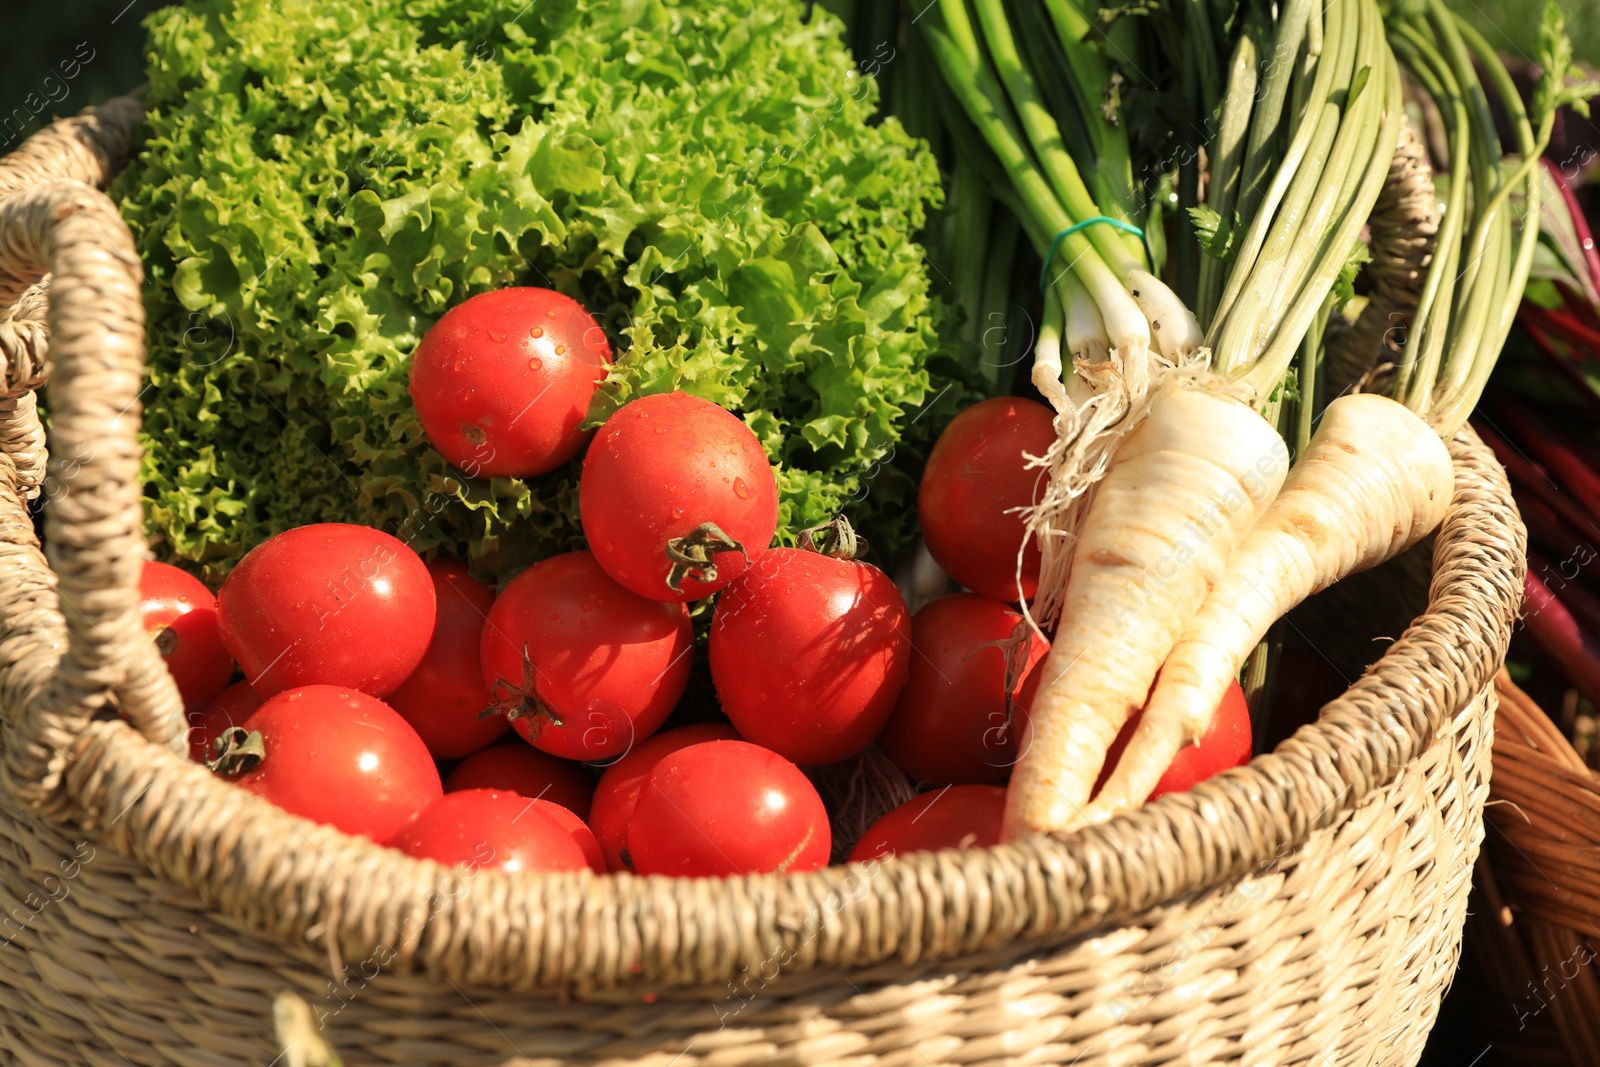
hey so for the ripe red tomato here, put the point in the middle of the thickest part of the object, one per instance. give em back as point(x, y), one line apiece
point(517, 767)
point(950, 725)
point(479, 828)
point(1225, 744)
point(503, 381)
point(341, 757)
point(328, 604)
point(444, 696)
point(727, 808)
point(577, 830)
point(588, 667)
point(808, 654)
point(227, 709)
point(662, 469)
point(960, 816)
point(975, 475)
point(180, 615)
point(617, 795)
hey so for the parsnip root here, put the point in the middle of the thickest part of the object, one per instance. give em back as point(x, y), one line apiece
point(1374, 480)
point(1181, 491)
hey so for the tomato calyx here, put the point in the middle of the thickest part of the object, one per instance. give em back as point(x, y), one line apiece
point(691, 554)
point(166, 640)
point(520, 700)
point(837, 539)
point(236, 751)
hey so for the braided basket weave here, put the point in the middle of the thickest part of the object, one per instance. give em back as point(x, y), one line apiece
point(1304, 910)
point(1534, 934)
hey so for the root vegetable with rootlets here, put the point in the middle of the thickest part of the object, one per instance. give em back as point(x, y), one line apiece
point(1168, 549)
point(1182, 490)
point(1374, 481)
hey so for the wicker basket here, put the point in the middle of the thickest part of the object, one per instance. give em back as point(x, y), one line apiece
point(1304, 910)
point(1535, 931)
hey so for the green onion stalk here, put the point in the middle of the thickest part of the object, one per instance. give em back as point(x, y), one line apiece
point(1037, 101)
point(1305, 115)
point(1296, 231)
point(1035, 90)
point(1484, 254)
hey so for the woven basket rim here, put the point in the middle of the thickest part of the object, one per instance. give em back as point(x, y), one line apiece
point(310, 885)
point(1548, 805)
point(1536, 926)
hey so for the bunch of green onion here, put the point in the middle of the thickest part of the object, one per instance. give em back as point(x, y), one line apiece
point(1301, 109)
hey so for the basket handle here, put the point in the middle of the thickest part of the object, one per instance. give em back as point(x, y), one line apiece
point(69, 657)
point(89, 148)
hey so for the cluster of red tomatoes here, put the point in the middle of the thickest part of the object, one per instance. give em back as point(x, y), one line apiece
point(367, 670)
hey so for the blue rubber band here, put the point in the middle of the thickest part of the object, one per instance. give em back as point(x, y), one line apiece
point(1125, 227)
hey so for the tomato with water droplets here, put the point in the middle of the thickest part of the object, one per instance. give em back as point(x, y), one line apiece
point(502, 382)
point(341, 757)
point(328, 604)
point(724, 808)
point(481, 829)
point(961, 816)
point(950, 725)
point(976, 474)
point(583, 667)
point(677, 497)
point(809, 653)
point(444, 696)
point(616, 798)
point(180, 615)
point(517, 767)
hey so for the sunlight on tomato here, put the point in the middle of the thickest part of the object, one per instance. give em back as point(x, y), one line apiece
point(341, 757)
point(180, 615)
point(482, 829)
point(724, 808)
point(502, 382)
point(329, 604)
